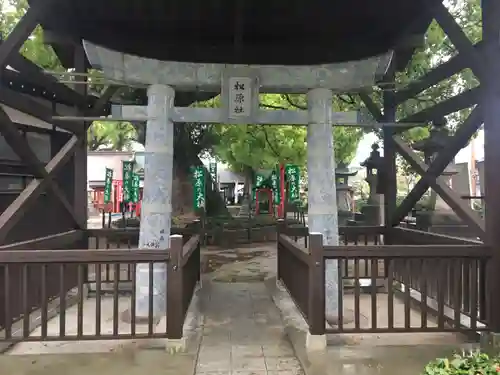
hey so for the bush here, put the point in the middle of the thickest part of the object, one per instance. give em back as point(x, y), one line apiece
point(467, 363)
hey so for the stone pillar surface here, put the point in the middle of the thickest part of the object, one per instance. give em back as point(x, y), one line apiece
point(156, 209)
point(322, 194)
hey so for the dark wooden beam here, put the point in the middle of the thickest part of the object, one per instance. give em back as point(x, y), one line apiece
point(35, 75)
point(32, 107)
point(23, 30)
point(443, 158)
point(491, 111)
point(447, 69)
point(102, 102)
point(80, 200)
point(371, 106)
point(389, 170)
point(21, 147)
point(459, 206)
point(463, 100)
point(17, 209)
point(457, 36)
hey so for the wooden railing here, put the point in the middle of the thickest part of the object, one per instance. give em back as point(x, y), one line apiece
point(424, 286)
point(122, 238)
point(469, 274)
point(38, 289)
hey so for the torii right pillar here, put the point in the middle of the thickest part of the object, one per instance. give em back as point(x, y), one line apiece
point(322, 193)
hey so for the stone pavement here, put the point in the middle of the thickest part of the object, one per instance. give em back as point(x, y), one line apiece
point(129, 361)
point(243, 333)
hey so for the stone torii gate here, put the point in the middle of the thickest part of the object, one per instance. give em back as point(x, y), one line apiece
point(239, 86)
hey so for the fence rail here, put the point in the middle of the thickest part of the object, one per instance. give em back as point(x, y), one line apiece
point(43, 293)
point(432, 288)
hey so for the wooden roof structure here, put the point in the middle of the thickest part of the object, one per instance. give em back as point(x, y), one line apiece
point(282, 33)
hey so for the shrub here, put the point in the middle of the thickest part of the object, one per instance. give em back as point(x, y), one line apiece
point(473, 363)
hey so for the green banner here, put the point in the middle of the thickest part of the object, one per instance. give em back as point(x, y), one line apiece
point(198, 180)
point(134, 193)
point(259, 180)
point(292, 173)
point(108, 180)
point(128, 176)
point(275, 185)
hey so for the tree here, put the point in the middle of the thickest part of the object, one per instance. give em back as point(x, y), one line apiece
point(112, 135)
point(252, 147)
point(117, 136)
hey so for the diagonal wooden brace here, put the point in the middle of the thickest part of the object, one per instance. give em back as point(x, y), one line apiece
point(17, 209)
point(20, 145)
point(443, 158)
point(457, 36)
point(23, 29)
point(460, 207)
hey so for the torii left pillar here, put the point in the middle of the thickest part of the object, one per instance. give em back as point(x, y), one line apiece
point(156, 209)
point(322, 195)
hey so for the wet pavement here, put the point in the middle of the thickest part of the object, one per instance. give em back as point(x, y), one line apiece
point(243, 333)
point(127, 362)
point(371, 360)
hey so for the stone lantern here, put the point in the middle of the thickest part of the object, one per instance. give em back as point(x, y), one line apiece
point(345, 202)
point(437, 211)
point(373, 211)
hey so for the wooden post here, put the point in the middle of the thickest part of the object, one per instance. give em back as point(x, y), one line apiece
point(389, 159)
point(491, 114)
point(280, 229)
point(175, 316)
point(316, 309)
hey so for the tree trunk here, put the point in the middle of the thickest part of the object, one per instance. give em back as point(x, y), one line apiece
point(246, 204)
point(215, 205)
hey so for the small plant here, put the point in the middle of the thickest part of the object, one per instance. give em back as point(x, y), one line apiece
point(472, 363)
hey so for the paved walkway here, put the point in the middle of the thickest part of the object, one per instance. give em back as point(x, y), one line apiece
point(243, 333)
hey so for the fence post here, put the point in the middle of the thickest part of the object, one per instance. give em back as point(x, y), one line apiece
point(199, 228)
point(175, 314)
point(280, 229)
point(202, 233)
point(316, 338)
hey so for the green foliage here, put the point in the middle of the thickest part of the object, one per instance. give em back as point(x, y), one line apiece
point(265, 146)
point(33, 49)
point(465, 364)
point(111, 136)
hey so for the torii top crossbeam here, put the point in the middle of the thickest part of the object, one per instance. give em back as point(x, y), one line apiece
point(274, 32)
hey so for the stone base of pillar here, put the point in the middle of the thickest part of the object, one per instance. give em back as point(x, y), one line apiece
point(315, 343)
point(347, 318)
point(176, 346)
point(126, 317)
point(490, 342)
